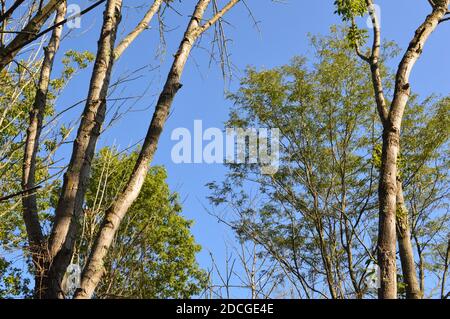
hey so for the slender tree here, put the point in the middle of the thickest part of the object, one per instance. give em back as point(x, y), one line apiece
point(69, 208)
point(391, 118)
point(314, 216)
point(29, 200)
point(115, 214)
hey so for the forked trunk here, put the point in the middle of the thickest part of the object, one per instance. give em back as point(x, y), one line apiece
point(69, 207)
point(94, 269)
point(391, 143)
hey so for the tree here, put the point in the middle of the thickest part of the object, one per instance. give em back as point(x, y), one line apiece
point(424, 181)
point(37, 114)
point(316, 217)
point(311, 230)
point(18, 100)
point(391, 117)
point(13, 283)
point(52, 254)
point(64, 231)
point(29, 31)
point(115, 214)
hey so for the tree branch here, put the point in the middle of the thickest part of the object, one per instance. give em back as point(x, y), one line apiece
point(142, 25)
point(31, 31)
point(26, 191)
point(217, 16)
point(374, 61)
point(11, 10)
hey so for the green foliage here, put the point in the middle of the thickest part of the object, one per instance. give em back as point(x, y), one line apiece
point(17, 91)
point(325, 112)
point(356, 36)
point(325, 190)
point(425, 175)
point(425, 132)
point(72, 61)
point(12, 283)
point(17, 95)
point(349, 10)
point(153, 255)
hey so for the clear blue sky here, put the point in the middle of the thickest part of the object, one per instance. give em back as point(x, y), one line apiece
point(283, 34)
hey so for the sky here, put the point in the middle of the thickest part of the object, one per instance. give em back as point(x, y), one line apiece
point(281, 33)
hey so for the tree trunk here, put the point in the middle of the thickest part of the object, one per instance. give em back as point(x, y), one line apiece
point(69, 207)
point(405, 247)
point(94, 268)
point(421, 264)
point(29, 200)
point(387, 233)
point(391, 142)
